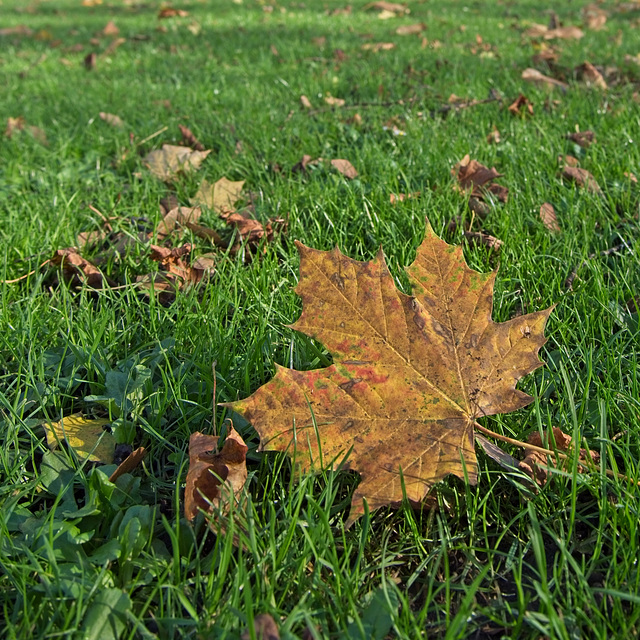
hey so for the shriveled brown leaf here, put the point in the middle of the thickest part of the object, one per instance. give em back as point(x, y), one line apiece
point(90, 60)
point(582, 178)
point(170, 12)
point(180, 216)
point(305, 102)
point(305, 161)
point(561, 33)
point(19, 124)
point(214, 477)
point(168, 162)
point(632, 177)
point(77, 270)
point(18, 30)
point(594, 16)
point(475, 178)
point(189, 139)
point(130, 463)
point(533, 75)
point(113, 45)
point(483, 239)
point(591, 76)
point(113, 120)
point(521, 104)
point(110, 29)
point(252, 231)
point(549, 218)
point(570, 161)
point(334, 102)
point(265, 628)
point(493, 137)
point(411, 29)
point(410, 374)
point(378, 46)
point(345, 168)
point(401, 197)
point(582, 138)
point(221, 196)
point(393, 7)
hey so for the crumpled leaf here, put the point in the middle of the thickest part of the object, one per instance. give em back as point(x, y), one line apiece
point(521, 104)
point(214, 476)
point(548, 217)
point(411, 29)
point(410, 374)
point(220, 196)
point(533, 75)
point(562, 33)
point(582, 178)
point(591, 76)
point(130, 463)
point(345, 168)
point(393, 7)
point(483, 239)
point(77, 270)
point(16, 125)
point(179, 216)
point(265, 628)
point(189, 139)
point(86, 436)
point(477, 179)
point(113, 120)
point(583, 139)
point(168, 162)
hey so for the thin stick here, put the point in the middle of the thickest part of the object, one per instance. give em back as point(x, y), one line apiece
point(153, 135)
point(214, 426)
point(26, 275)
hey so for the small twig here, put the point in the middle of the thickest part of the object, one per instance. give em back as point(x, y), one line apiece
point(26, 275)
point(568, 283)
point(153, 135)
point(214, 426)
point(363, 105)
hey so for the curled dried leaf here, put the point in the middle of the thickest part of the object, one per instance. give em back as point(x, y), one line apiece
point(548, 217)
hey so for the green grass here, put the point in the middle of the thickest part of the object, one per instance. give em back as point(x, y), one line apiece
point(494, 560)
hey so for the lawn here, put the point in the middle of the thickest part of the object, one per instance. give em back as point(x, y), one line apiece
point(81, 556)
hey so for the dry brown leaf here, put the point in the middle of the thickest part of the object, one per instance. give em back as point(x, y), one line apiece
point(305, 102)
point(90, 60)
point(113, 120)
point(16, 125)
point(561, 33)
point(18, 30)
point(483, 240)
point(110, 29)
point(475, 178)
point(411, 29)
point(170, 12)
point(521, 104)
point(582, 178)
point(130, 463)
point(410, 374)
point(594, 17)
point(494, 136)
point(533, 75)
point(265, 628)
point(221, 196)
point(548, 217)
point(180, 216)
point(113, 45)
point(189, 140)
point(168, 162)
point(401, 197)
point(392, 7)
point(583, 139)
point(591, 76)
point(631, 176)
point(570, 161)
point(334, 102)
point(345, 168)
point(76, 270)
point(377, 46)
point(214, 478)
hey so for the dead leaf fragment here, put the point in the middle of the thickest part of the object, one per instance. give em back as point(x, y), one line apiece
point(265, 628)
point(521, 104)
point(582, 178)
point(17, 125)
point(90, 60)
point(345, 168)
point(305, 102)
point(594, 17)
point(533, 75)
point(214, 477)
point(168, 162)
point(76, 270)
point(221, 196)
point(494, 137)
point(476, 179)
point(392, 7)
point(483, 239)
point(113, 120)
point(411, 29)
point(130, 463)
point(170, 12)
point(401, 197)
point(189, 139)
point(334, 102)
point(180, 216)
point(591, 76)
point(110, 29)
point(548, 217)
point(86, 436)
point(378, 46)
point(410, 374)
point(583, 139)
point(561, 33)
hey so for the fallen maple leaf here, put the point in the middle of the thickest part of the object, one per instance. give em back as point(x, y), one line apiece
point(220, 196)
point(168, 162)
point(411, 374)
point(86, 436)
point(210, 471)
point(179, 216)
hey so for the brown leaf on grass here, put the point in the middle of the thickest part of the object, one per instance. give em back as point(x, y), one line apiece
point(113, 45)
point(345, 168)
point(170, 12)
point(594, 17)
point(214, 477)
point(632, 177)
point(483, 240)
point(393, 7)
point(130, 463)
point(591, 76)
point(378, 46)
point(475, 178)
point(189, 140)
point(582, 178)
point(110, 29)
point(521, 104)
point(113, 120)
point(19, 124)
point(410, 374)
point(570, 161)
point(537, 464)
point(401, 197)
point(334, 102)
point(582, 138)
point(18, 30)
point(493, 137)
point(305, 161)
point(549, 218)
point(411, 29)
point(77, 271)
point(305, 102)
point(221, 196)
point(180, 216)
point(168, 162)
point(252, 231)
point(265, 628)
point(561, 33)
point(90, 60)
point(533, 75)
